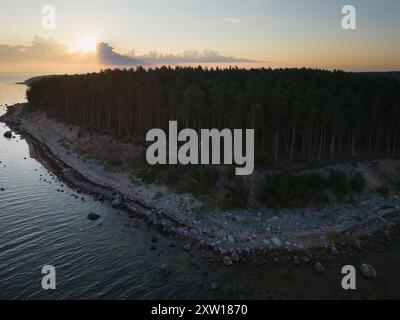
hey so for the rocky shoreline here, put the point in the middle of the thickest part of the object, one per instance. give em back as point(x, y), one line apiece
point(296, 235)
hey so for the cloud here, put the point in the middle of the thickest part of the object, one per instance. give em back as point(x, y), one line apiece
point(50, 51)
point(107, 55)
point(190, 56)
point(42, 50)
point(233, 20)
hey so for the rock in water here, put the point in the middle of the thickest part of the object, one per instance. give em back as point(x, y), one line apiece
point(214, 285)
point(368, 271)
point(8, 134)
point(165, 270)
point(93, 216)
point(154, 239)
point(319, 267)
point(357, 244)
point(116, 203)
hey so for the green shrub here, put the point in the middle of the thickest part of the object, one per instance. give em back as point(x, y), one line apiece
point(114, 165)
point(383, 190)
point(236, 196)
point(205, 178)
point(339, 182)
point(147, 175)
point(316, 181)
point(289, 190)
point(358, 183)
point(398, 184)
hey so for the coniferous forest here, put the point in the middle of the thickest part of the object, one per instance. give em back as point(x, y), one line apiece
point(299, 115)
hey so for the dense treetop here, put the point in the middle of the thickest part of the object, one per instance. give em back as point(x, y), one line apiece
point(298, 114)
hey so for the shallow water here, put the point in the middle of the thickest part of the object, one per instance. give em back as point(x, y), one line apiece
point(111, 258)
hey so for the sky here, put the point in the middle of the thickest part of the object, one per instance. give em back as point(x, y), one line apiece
point(91, 34)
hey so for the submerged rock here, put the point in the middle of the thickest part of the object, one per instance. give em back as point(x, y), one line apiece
point(357, 244)
point(8, 134)
point(368, 271)
point(214, 285)
point(165, 270)
point(93, 216)
point(318, 267)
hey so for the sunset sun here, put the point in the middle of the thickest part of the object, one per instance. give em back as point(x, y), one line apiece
point(88, 44)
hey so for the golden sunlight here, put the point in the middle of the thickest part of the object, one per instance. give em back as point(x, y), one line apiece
point(88, 44)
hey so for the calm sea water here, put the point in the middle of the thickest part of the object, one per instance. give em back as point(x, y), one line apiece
point(111, 258)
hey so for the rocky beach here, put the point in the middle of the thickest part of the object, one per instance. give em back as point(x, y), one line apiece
point(227, 236)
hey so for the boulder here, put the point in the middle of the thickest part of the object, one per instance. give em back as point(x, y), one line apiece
point(165, 270)
point(276, 241)
point(214, 285)
point(227, 261)
point(318, 267)
point(93, 216)
point(154, 239)
point(235, 257)
point(116, 203)
point(368, 271)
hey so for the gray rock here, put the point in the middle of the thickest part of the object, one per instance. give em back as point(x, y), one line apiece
point(214, 285)
point(154, 239)
point(93, 216)
point(187, 247)
point(231, 239)
point(165, 270)
point(334, 250)
point(235, 257)
point(276, 241)
point(368, 271)
point(318, 267)
point(116, 203)
point(357, 244)
point(227, 261)
point(296, 260)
